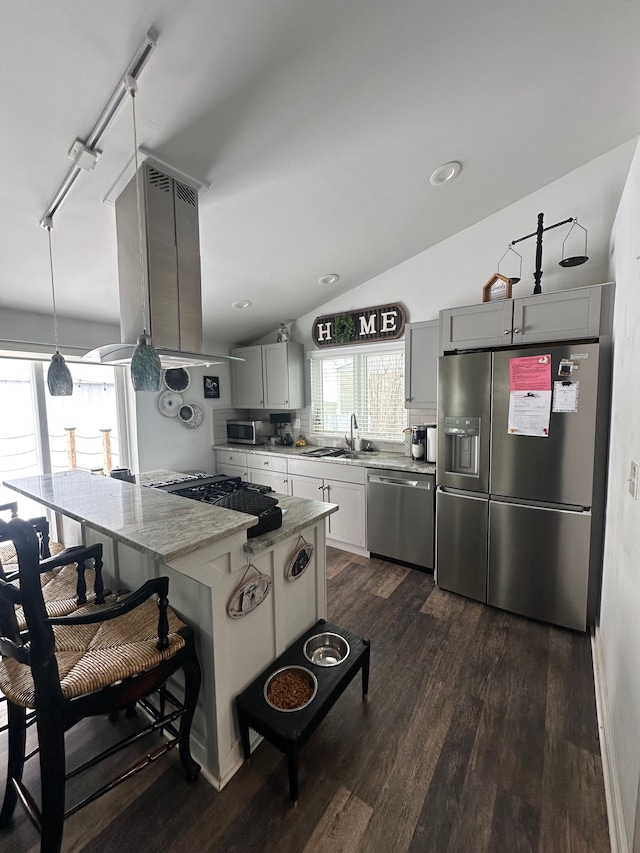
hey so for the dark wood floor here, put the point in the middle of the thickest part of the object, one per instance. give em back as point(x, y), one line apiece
point(480, 734)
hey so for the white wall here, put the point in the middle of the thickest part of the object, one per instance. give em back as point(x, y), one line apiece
point(165, 442)
point(454, 272)
point(620, 616)
point(33, 328)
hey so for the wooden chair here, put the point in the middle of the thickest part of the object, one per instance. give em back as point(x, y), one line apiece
point(97, 660)
point(65, 573)
point(47, 548)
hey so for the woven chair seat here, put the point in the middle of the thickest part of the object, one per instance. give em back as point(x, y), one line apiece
point(9, 558)
point(59, 586)
point(59, 591)
point(91, 657)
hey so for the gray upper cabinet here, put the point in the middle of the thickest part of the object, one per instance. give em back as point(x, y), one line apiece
point(476, 326)
point(583, 312)
point(271, 376)
point(246, 378)
point(421, 351)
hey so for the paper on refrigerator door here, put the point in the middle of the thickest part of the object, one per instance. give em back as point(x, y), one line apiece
point(565, 397)
point(530, 395)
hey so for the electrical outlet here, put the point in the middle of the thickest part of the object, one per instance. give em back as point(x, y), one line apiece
point(633, 480)
point(296, 423)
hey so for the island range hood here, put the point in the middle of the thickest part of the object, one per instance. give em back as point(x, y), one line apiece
point(168, 241)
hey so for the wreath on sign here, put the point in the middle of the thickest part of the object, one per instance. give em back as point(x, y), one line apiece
point(299, 559)
point(249, 593)
point(345, 328)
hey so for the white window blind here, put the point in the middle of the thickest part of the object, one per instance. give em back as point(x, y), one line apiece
point(368, 382)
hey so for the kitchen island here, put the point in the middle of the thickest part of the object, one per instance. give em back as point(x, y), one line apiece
point(204, 551)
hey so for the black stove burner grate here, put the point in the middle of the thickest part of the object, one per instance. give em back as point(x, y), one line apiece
point(231, 493)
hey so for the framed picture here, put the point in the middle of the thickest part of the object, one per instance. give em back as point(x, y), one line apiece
point(498, 287)
point(211, 387)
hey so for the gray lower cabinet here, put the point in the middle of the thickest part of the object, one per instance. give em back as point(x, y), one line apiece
point(582, 312)
point(334, 483)
point(232, 463)
point(421, 351)
point(268, 470)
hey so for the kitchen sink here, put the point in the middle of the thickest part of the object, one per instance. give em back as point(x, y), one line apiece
point(338, 452)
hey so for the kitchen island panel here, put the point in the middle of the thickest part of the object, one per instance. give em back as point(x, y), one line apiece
point(203, 575)
point(231, 651)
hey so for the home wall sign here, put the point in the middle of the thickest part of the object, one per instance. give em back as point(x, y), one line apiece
point(382, 323)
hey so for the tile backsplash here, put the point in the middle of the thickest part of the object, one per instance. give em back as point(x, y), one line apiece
point(414, 416)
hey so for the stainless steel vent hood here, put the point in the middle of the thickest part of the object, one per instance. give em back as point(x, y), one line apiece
point(168, 242)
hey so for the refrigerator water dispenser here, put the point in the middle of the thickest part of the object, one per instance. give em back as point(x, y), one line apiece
point(462, 439)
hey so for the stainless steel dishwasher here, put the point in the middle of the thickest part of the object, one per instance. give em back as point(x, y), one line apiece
point(400, 516)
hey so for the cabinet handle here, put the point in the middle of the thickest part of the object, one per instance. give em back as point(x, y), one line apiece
point(517, 331)
point(265, 463)
point(507, 332)
point(321, 487)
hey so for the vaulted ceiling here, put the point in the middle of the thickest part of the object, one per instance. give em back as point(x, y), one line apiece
point(314, 125)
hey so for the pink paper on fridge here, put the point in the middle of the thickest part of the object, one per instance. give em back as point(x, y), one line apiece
point(530, 373)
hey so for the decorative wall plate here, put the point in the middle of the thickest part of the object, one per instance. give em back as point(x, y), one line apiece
point(190, 415)
point(169, 403)
point(249, 593)
point(177, 379)
point(299, 559)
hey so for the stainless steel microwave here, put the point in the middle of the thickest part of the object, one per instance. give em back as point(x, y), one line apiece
point(247, 432)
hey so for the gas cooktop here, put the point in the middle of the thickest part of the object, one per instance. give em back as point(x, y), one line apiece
point(229, 492)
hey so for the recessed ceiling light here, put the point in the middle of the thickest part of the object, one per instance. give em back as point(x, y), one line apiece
point(445, 173)
point(242, 303)
point(330, 278)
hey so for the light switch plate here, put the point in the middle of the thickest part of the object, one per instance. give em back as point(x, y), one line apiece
point(633, 479)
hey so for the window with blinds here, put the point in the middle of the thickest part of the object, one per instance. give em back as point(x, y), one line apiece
point(368, 382)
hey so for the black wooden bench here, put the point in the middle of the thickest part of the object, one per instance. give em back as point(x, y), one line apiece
point(289, 731)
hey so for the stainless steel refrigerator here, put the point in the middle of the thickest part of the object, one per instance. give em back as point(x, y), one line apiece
point(522, 445)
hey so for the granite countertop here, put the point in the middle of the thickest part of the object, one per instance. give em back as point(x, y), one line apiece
point(161, 525)
point(377, 459)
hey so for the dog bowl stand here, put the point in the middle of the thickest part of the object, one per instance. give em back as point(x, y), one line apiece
point(290, 730)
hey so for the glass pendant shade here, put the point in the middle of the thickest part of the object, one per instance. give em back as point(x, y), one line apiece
point(146, 370)
point(59, 379)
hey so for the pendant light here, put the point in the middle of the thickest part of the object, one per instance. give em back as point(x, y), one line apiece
point(146, 370)
point(59, 379)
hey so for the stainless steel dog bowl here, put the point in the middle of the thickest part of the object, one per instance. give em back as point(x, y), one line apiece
point(326, 649)
point(290, 688)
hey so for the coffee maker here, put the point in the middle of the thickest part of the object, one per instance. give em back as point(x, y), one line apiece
point(419, 443)
point(423, 443)
point(279, 422)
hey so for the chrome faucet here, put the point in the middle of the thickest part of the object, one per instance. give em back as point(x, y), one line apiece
point(353, 424)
